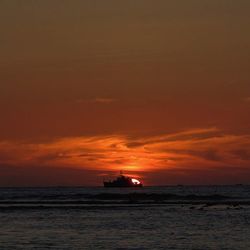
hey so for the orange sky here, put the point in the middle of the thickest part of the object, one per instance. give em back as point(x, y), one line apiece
point(160, 89)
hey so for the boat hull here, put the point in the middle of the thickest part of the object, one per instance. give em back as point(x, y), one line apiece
point(121, 185)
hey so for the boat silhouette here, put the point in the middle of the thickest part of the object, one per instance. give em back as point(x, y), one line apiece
point(123, 181)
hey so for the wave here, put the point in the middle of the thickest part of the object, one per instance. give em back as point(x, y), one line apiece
point(121, 201)
point(113, 196)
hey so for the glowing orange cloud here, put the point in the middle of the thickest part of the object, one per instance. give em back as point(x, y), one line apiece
point(199, 148)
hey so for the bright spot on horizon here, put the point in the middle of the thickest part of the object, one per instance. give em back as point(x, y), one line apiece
point(135, 181)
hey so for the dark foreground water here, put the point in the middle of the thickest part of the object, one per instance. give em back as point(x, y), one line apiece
point(215, 217)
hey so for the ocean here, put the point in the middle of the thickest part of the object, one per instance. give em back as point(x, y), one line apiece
point(169, 217)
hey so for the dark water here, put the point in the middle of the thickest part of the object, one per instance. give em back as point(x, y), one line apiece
point(180, 217)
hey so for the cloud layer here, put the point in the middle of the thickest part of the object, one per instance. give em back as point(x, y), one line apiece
point(189, 150)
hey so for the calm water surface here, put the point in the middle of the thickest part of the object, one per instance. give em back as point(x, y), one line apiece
point(214, 217)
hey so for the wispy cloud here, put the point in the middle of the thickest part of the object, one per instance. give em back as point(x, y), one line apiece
point(192, 149)
point(101, 100)
point(104, 100)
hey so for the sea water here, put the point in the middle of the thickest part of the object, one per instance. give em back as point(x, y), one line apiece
point(173, 217)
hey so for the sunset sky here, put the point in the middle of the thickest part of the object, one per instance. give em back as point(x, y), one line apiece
point(157, 88)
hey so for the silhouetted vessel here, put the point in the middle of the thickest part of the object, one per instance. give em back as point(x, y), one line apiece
point(123, 181)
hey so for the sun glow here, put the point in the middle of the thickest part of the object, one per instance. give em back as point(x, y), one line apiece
point(135, 181)
point(132, 168)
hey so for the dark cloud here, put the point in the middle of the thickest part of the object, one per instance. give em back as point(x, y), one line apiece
point(242, 154)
